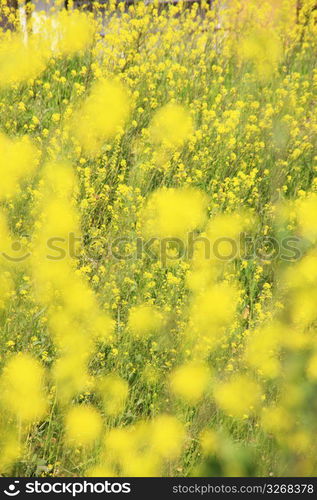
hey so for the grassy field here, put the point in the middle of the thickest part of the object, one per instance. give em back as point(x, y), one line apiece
point(158, 241)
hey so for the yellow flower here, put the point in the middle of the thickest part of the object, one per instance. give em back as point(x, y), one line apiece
point(239, 396)
point(56, 117)
point(114, 392)
point(212, 310)
point(263, 348)
point(11, 449)
point(209, 441)
point(167, 436)
point(66, 33)
point(172, 125)
point(101, 115)
point(18, 160)
point(306, 214)
point(264, 49)
point(144, 320)
point(174, 213)
point(22, 388)
point(190, 381)
point(83, 425)
point(21, 60)
point(312, 367)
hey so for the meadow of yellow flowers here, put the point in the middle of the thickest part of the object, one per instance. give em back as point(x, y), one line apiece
point(158, 230)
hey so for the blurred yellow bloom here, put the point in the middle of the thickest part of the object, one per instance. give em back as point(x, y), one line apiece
point(114, 392)
point(264, 49)
point(239, 396)
point(312, 367)
point(100, 471)
point(277, 420)
point(74, 31)
point(19, 159)
point(65, 33)
point(144, 320)
point(262, 350)
point(83, 425)
point(167, 436)
point(209, 441)
point(306, 214)
point(190, 381)
point(101, 116)
point(22, 388)
point(11, 449)
point(172, 125)
point(173, 213)
point(21, 60)
point(211, 311)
